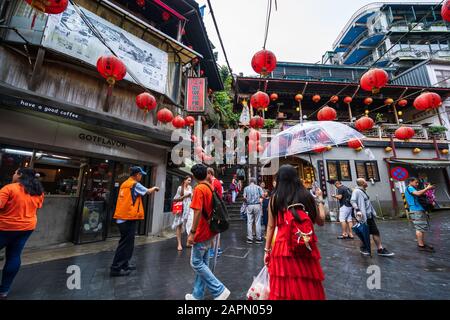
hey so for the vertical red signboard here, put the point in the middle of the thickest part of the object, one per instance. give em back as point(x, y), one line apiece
point(195, 95)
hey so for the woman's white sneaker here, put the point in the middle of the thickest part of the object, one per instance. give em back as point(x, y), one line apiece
point(224, 295)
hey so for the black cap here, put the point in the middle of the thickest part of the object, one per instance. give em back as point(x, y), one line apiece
point(135, 170)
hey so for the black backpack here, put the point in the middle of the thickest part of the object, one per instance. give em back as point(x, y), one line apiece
point(218, 222)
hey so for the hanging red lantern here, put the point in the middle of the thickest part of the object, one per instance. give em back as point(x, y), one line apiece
point(257, 122)
point(388, 101)
point(363, 124)
point(334, 99)
point(445, 11)
point(189, 120)
point(319, 148)
point(254, 135)
point(326, 114)
point(374, 79)
point(316, 98)
point(298, 97)
point(264, 62)
point(348, 100)
point(164, 115)
point(146, 101)
point(178, 122)
point(404, 133)
point(165, 16)
point(402, 103)
point(427, 100)
point(111, 68)
point(140, 3)
point(368, 101)
point(260, 100)
point(274, 96)
point(49, 6)
point(355, 144)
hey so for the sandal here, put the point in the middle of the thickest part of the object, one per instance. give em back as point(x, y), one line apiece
point(350, 238)
point(342, 237)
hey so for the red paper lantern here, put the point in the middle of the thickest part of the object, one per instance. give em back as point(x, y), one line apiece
point(264, 62)
point(316, 98)
point(326, 114)
point(402, 103)
point(254, 135)
point(165, 16)
point(189, 120)
point(388, 101)
point(140, 3)
point(298, 97)
point(178, 122)
point(49, 6)
point(427, 100)
point(260, 100)
point(445, 11)
point(354, 144)
point(146, 101)
point(319, 148)
point(273, 96)
point(348, 100)
point(404, 133)
point(334, 99)
point(111, 68)
point(364, 123)
point(164, 115)
point(374, 79)
point(368, 101)
point(257, 122)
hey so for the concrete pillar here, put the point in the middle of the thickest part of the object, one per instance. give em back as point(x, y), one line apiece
point(158, 197)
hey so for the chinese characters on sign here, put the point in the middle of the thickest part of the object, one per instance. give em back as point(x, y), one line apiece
point(196, 94)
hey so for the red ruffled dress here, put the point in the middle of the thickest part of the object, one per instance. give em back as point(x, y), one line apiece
point(294, 277)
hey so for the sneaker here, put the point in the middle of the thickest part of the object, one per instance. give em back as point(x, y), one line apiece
point(364, 252)
point(121, 273)
point(426, 248)
point(224, 295)
point(385, 253)
point(249, 241)
point(189, 296)
point(258, 241)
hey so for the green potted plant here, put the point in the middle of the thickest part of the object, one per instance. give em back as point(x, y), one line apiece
point(269, 123)
point(436, 130)
point(379, 118)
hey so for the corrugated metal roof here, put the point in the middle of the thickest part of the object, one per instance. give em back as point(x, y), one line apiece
point(414, 77)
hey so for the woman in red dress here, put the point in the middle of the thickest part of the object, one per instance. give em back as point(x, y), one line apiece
point(293, 275)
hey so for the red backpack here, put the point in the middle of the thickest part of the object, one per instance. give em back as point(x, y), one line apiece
point(302, 239)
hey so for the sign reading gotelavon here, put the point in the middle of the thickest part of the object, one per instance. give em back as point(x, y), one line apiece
point(196, 95)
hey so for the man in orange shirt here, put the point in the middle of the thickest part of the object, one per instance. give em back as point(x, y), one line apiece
point(129, 209)
point(199, 238)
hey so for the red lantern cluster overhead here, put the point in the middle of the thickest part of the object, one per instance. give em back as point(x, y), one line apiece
point(189, 120)
point(334, 99)
point(111, 68)
point(427, 100)
point(257, 122)
point(298, 97)
point(348, 100)
point(274, 96)
point(165, 16)
point(445, 11)
point(146, 101)
point(402, 103)
point(326, 114)
point(178, 122)
point(49, 6)
point(368, 101)
point(164, 115)
point(316, 98)
point(264, 62)
point(404, 133)
point(364, 124)
point(260, 100)
point(355, 144)
point(374, 79)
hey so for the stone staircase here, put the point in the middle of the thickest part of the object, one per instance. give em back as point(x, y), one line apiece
point(234, 208)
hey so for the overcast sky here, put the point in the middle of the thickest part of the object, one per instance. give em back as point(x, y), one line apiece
point(300, 31)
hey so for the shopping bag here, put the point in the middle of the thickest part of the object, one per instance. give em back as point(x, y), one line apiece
point(177, 207)
point(260, 287)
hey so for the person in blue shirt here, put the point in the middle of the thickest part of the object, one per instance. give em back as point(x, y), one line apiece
point(417, 212)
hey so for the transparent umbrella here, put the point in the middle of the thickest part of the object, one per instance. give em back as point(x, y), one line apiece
point(309, 136)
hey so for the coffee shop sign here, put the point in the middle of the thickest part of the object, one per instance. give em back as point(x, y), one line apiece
point(48, 110)
point(101, 141)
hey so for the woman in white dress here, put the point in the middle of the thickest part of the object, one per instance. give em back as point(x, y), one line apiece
point(184, 193)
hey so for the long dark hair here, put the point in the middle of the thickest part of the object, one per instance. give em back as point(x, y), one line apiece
point(182, 184)
point(29, 180)
point(290, 190)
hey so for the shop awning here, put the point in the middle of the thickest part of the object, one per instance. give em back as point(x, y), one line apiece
point(423, 164)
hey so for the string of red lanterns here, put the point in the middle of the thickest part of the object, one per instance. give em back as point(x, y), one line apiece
point(164, 115)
